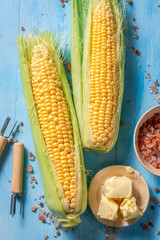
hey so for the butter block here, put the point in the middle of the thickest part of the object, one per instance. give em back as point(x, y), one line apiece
point(129, 209)
point(118, 187)
point(107, 209)
point(129, 169)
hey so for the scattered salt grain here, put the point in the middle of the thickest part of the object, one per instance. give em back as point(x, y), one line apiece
point(30, 168)
point(64, 229)
point(56, 224)
point(33, 208)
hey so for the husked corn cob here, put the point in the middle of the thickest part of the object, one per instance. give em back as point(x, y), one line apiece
point(54, 119)
point(103, 75)
point(54, 127)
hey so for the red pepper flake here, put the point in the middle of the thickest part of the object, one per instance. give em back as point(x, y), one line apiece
point(22, 28)
point(58, 233)
point(42, 219)
point(145, 227)
point(21, 123)
point(121, 123)
point(155, 200)
point(134, 19)
point(135, 27)
point(115, 230)
point(46, 237)
point(41, 204)
point(136, 37)
point(33, 208)
point(137, 52)
point(9, 180)
point(156, 189)
point(151, 224)
point(154, 89)
point(152, 207)
point(156, 83)
point(11, 141)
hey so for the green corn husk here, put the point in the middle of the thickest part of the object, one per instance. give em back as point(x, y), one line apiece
point(80, 77)
point(51, 185)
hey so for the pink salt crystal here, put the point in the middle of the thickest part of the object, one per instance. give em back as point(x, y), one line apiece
point(39, 211)
point(30, 168)
point(33, 208)
point(56, 223)
point(154, 164)
point(151, 145)
point(154, 158)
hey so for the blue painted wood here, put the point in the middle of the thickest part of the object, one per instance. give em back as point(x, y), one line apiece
point(43, 15)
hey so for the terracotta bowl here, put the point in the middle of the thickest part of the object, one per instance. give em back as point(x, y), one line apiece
point(142, 120)
point(96, 189)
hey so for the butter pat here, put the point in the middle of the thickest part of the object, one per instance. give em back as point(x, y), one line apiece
point(107, 209)
point(118, 187)
point(129, 169)
point(129, 209)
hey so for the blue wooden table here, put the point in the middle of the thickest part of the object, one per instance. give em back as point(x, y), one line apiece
point(36, 15)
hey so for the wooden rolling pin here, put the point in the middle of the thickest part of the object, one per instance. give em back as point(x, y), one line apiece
point(3, 141)
point(17, 171)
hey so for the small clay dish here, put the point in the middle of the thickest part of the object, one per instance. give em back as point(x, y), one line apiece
point(140, 191)
point(141, 121)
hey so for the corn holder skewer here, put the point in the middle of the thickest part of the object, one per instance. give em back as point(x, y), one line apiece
point(4, 139)
point(17, 176)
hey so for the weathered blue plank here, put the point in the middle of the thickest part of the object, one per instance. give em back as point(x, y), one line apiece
point(44, 15)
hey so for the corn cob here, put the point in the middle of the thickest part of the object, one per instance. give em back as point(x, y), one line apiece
point(103, 74)
point(54, 127)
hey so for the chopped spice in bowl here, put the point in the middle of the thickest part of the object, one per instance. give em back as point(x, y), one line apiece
point(147, 140)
